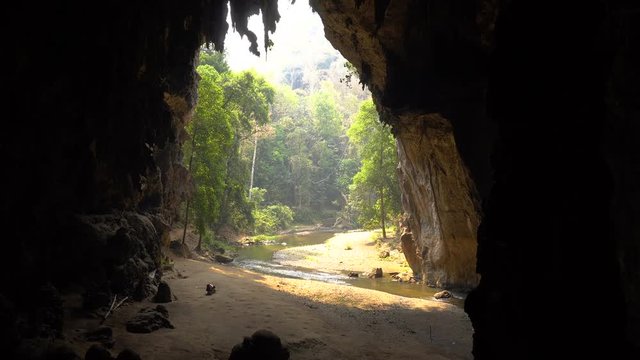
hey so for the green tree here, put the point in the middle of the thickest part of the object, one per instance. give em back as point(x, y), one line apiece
point(211, 134)
point(374, 191)
point(327, 148)
point(214, 58)
point(247, 97)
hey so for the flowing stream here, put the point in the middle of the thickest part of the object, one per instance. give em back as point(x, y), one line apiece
point(264, 259)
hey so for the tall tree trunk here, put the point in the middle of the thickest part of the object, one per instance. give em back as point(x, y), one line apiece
point(199, 247)
point(224, 204)
point(253, 162)
point(186, 215)
point(383, 215)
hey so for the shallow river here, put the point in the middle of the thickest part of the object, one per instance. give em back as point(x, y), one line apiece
point(264, 259)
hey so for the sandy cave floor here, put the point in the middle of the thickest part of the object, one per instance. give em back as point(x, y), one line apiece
point(316, 320)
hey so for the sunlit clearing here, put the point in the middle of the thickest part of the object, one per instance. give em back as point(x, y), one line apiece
point(348, 296)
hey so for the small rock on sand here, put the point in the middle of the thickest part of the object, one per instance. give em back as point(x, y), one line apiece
point(444, 294)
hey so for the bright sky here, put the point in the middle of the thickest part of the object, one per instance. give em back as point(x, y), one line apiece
point(298, 39)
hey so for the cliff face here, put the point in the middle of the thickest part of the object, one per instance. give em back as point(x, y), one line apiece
point(423, 63)
point(438, 196)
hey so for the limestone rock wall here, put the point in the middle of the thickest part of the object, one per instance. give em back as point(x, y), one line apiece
point(440, 200)
point(422, 61)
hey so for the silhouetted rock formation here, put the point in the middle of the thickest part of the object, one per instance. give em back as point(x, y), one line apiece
point(149, 320)
point(164, 293)
point(262, 345)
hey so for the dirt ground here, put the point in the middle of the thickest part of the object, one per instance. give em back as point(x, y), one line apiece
point(315, 320)
point(353, 251)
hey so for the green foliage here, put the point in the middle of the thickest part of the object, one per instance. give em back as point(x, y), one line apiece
point(247, 97)
point(305, 215)
point(262, 238)
point(257, 196)
point(229, 109)
point(272, 218)
point(216, 245)
point(299, 163)
point(247, 100)
point(214, 58)
point(374, 192)
point(304, 159)
point(211, 134)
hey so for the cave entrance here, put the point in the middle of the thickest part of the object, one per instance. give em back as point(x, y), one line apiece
point(282, 143)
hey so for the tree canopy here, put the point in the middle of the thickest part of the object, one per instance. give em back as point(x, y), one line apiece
point(263, 156)
point(374, 191)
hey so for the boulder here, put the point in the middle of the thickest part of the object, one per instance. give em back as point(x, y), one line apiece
point(444, 294)
point(101, 333)
point(98, 352)
point(223, 259)
point(117, 252)
point(179, 249)
point(263, 344)
point(128, 354)
point(164, 293)
point(375, 273)
point(149, 320)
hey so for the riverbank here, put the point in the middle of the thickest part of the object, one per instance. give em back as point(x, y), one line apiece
point(315, 320)
point(354, 251)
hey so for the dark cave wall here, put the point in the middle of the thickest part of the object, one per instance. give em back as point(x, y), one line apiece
point(543, 100)
point(622, 152)
point(100, 95)
point(555, 217)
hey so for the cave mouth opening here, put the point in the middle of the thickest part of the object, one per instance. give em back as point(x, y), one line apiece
point(446, 213)
point(307, 71)
point(304, 158)
point(80, 206)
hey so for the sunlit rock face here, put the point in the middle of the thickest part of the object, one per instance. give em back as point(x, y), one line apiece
point(423, 79)
point(439, 198)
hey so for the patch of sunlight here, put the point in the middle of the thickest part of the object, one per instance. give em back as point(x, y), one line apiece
point(348, 296)
point(236, 272)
